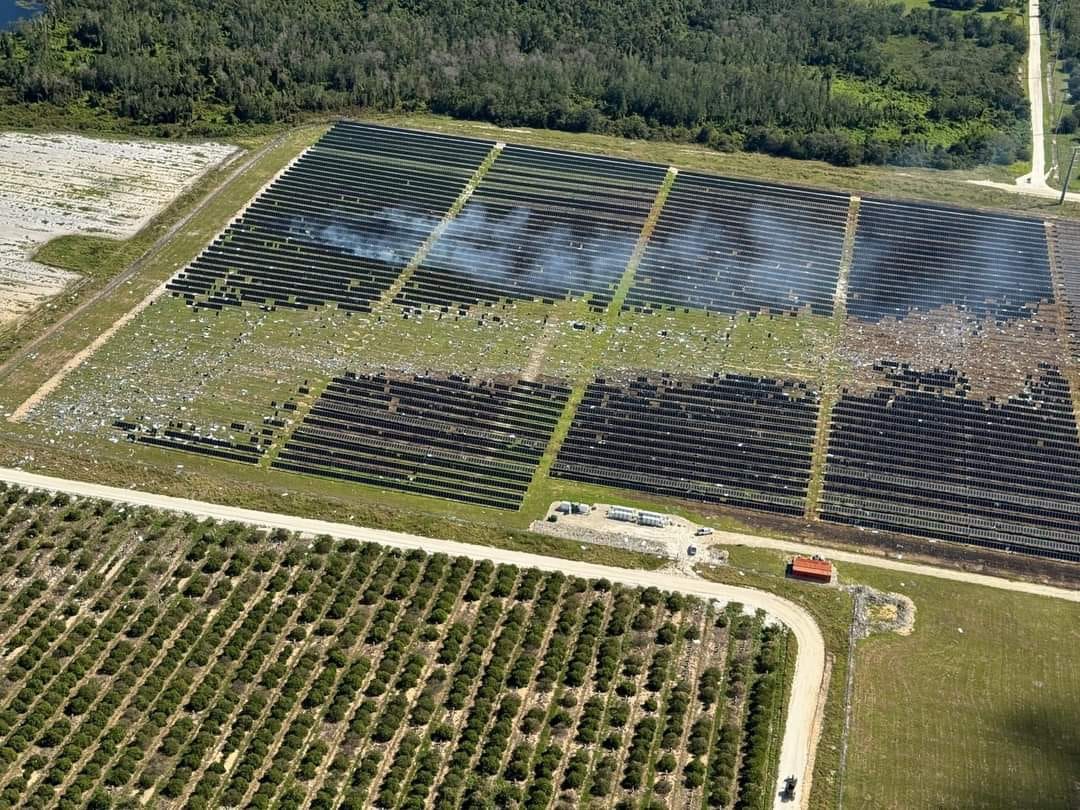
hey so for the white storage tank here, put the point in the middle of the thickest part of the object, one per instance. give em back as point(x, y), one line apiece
point(652, 519)
point(622, 513)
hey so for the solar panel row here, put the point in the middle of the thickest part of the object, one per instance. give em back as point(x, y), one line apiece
point(734, 246)
point(919, 455)
point(1066, 246)
point(187, 438)
point(475, 441)
point(915, 257)
point(338, 226)
point(541, 225)
point(731, 439)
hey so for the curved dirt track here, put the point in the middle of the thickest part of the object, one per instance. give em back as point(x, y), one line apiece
point(796, 751)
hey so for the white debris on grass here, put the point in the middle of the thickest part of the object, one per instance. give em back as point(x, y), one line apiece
point(52, 185)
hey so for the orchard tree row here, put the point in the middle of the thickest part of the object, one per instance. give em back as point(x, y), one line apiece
point(148, 659)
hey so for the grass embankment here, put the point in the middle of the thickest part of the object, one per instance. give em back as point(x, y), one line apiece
point(976, 709)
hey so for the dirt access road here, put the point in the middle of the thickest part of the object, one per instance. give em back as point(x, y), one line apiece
point(920, 569)
point(673, 540)
point(1036, 178)
point(801, 728)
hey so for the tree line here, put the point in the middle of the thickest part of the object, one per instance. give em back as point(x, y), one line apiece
point(751, 74)
point(1062, 19)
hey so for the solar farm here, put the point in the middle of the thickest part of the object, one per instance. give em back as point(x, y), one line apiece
point(470, 325)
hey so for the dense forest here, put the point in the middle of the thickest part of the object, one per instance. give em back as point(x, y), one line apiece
point(843, 80)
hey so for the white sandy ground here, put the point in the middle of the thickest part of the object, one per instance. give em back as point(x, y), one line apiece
point(52, 185)
point(802, 728)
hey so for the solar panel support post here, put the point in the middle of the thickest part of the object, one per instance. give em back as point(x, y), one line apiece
point(1068, 176)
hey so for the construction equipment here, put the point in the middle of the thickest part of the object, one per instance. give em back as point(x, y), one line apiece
point(788, 793)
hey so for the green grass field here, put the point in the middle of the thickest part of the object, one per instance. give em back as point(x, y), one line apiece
point(832, 609)
point(978, 705)
point(976, 709)
point(1059, 147)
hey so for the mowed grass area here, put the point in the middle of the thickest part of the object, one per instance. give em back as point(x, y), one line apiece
point(698, 343)
point(977, 709)
point(248, 486)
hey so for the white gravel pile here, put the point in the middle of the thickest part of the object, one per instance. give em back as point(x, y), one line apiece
point(63, 184)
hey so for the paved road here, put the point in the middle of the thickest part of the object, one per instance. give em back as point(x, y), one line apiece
point(796, 750)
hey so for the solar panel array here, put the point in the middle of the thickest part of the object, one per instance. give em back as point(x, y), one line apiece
point(916, 257)
point(542, 225)
point(339, 225)
point(1066, 245)
point(733, 246)
point(733, 439)
point(178, 435)
point(475, 441)
point(920, 455)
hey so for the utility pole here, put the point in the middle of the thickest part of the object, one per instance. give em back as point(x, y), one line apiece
point(1068, 176)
